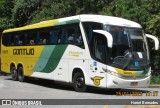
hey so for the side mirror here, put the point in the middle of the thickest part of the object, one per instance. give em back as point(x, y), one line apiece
point(156, 41)
point(107, 35)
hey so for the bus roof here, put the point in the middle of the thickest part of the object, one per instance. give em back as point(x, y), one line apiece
point(110, 20)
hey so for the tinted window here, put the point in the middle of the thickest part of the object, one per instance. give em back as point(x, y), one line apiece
point(100, 47)
point(89, 27)
point(65, 34)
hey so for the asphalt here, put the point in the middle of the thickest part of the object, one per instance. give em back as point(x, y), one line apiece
point(151, 86)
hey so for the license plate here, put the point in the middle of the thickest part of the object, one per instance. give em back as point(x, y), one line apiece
point(134, 83)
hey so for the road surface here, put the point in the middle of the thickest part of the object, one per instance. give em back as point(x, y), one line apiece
point(44, 89)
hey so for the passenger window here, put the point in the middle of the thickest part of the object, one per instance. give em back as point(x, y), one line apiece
point(64, 34)
point(44, 37)
point(6, 39)
point(31, 38)
point(54, 38)
point(11, 40)
point(70, 36)
point(58, 32)
point(73, 35)
point(21, 40)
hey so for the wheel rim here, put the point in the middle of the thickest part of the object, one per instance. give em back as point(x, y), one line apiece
point(80, 82)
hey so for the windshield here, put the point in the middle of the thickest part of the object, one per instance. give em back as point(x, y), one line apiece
point(129, 49)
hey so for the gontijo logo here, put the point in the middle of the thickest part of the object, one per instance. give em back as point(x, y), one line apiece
point(23, 51)
point(97, 80)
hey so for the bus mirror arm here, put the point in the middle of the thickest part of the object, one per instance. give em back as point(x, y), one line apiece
point(107, 35)
point(156, 42)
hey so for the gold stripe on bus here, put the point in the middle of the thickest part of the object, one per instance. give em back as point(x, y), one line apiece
point(34, 26)
point(125, 72)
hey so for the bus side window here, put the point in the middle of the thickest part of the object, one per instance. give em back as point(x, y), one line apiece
point(21, 38)
point(70, 36)
point(78, 36)
point(25, 38)
point(44, 35)
point(20, 42)
point(62, 35)
point(65, 36)
point(16, 39)
point(31, 38)
point(6, 39)
point(58, 34)
point(11, 40)
point(74, 35)
point(54, 38)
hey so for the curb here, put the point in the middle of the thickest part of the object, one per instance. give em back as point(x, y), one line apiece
point(154, 86)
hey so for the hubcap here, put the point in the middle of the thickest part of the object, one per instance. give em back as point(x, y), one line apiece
point(80, 82)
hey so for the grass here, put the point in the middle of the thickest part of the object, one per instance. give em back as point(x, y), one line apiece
point(155, 79)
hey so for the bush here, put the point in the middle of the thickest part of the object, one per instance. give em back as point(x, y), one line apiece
point(155, 79)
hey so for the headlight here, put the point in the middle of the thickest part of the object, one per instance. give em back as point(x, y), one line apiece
point(149, 73)
point(112, 73)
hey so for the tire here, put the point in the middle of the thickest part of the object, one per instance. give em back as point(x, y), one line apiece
point(79, 82)
point(21, 76)
point(14, 73)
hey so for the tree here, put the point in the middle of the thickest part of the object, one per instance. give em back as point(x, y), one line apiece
point(22, 11)
point(6, 13)
point(50, 9)
point(153, 24)
point(136, 10)
point(153, 27)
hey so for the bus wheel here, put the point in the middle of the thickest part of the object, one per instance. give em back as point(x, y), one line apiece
point(21, 76)
point(14, 73)
point(79, 82)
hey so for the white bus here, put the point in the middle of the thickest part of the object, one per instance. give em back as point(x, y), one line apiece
point(86, 50)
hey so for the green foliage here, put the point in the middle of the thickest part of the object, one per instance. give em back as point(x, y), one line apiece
point(22, 11)
point(6, 7)
point(153, 24)
point(5, 23)
point(50, 9)
point(6, 13)
point(155, 80)
point(153, 27)
point(136, 10)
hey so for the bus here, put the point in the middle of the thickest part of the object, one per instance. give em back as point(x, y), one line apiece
point(84, 50)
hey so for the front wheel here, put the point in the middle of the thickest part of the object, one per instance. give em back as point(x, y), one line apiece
point(79, 82)
point(14, 74)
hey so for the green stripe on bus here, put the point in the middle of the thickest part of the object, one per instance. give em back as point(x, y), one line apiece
point(43, 59)
point(54, 58)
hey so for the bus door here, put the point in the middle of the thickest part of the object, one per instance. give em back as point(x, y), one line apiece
point(99, 52)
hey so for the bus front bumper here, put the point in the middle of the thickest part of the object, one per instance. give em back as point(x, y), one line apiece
point(116, 82)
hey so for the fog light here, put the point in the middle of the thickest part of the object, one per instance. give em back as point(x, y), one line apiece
point(116, 83)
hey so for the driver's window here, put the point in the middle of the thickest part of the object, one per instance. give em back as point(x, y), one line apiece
point(100, 48)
